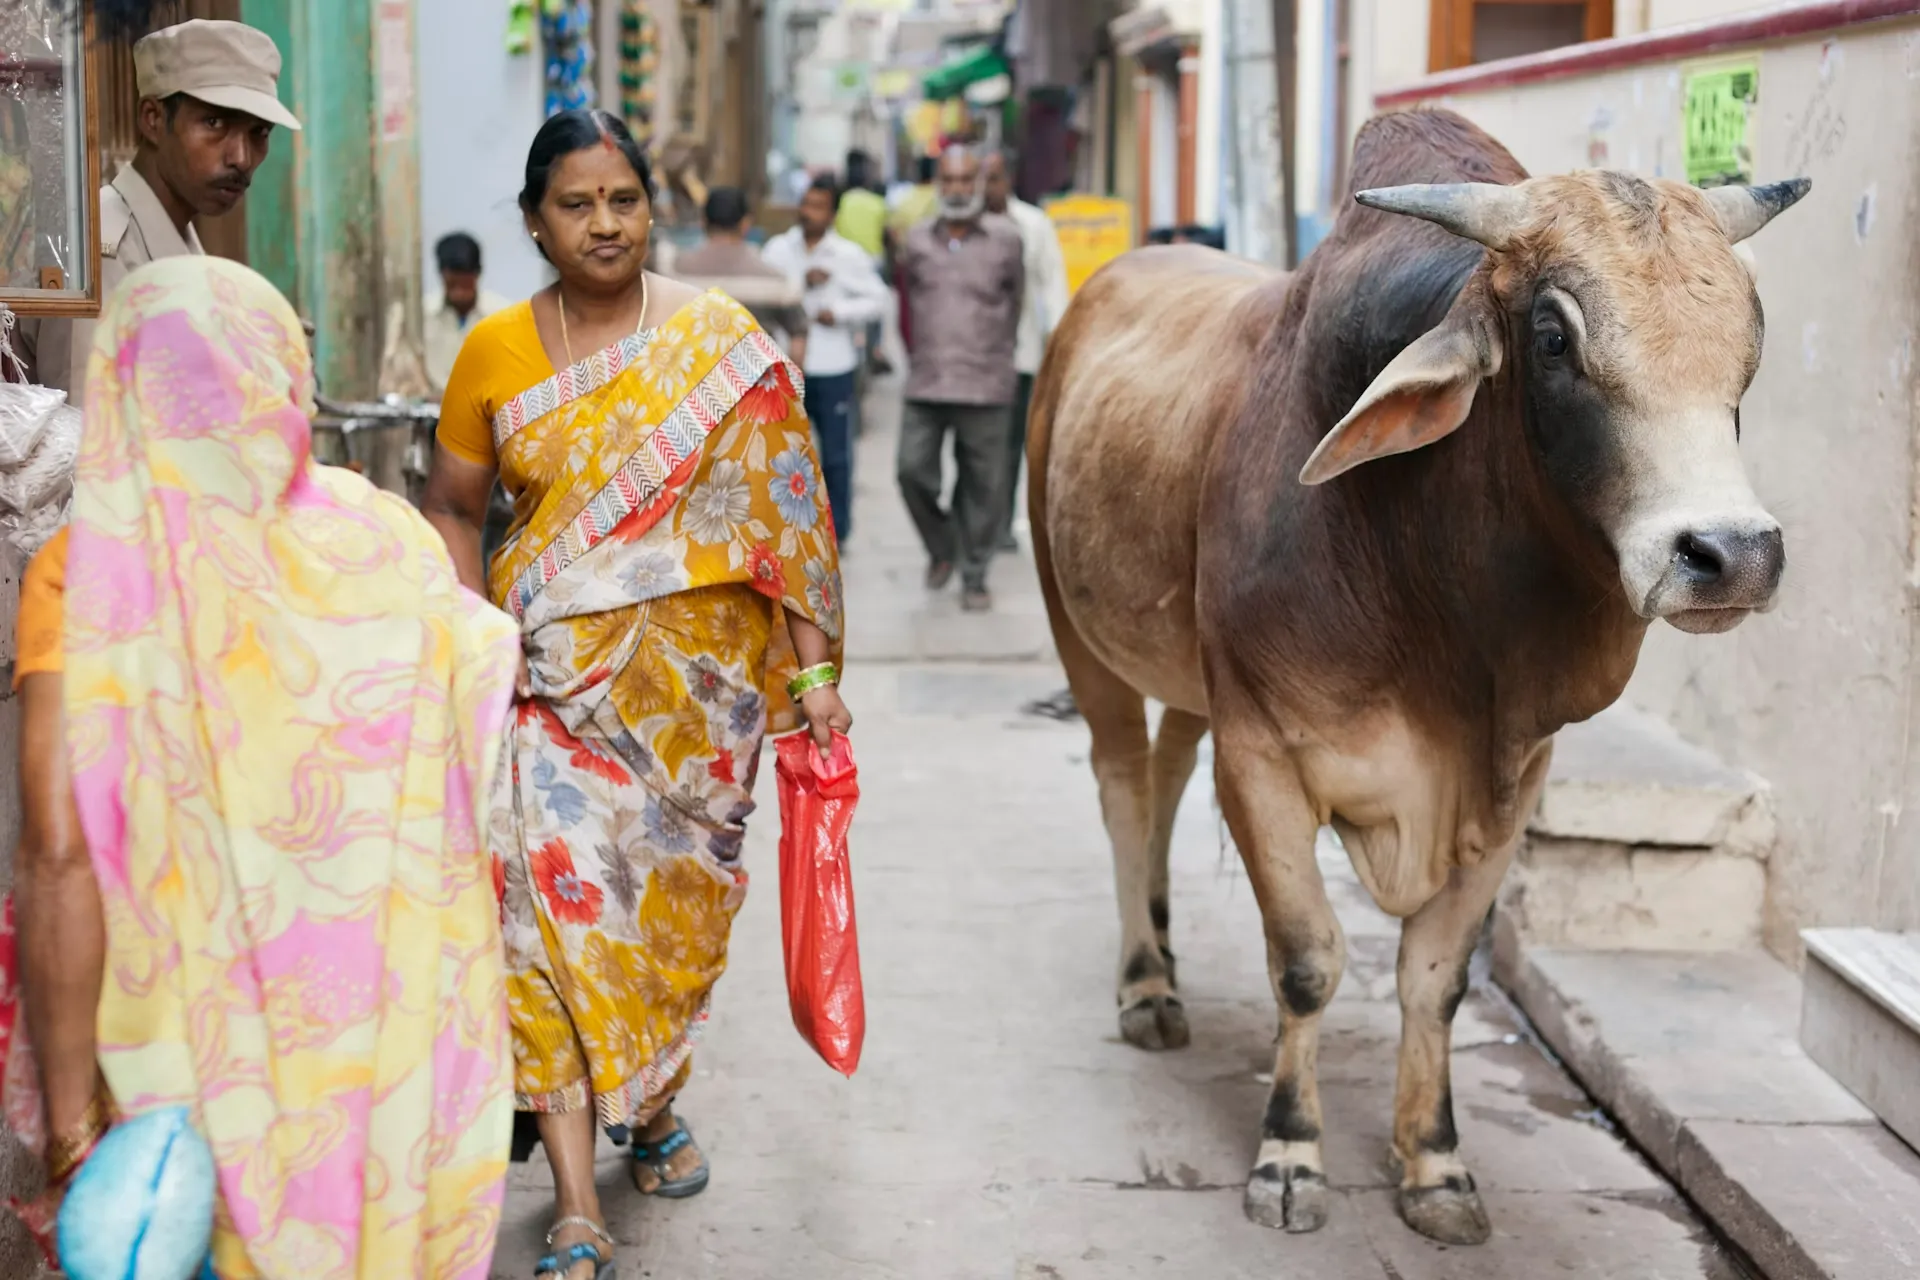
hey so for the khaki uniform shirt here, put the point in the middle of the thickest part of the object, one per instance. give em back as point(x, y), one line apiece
point(446, 329)
point(134, 230)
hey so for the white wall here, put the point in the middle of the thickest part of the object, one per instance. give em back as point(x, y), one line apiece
point(479, 109)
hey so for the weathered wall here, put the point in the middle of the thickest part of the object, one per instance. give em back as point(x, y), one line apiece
point(273, 225)
point(1389, 40)
point(478, 110)
point(1818, 698)
point(329, 53)
point(1252, 189)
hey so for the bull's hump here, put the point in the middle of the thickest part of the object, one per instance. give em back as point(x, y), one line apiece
point(1428, 146)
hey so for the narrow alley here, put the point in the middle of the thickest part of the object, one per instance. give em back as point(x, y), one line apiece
point(998, 1129)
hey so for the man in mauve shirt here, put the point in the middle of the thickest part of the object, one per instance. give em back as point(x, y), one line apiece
point(962, 277)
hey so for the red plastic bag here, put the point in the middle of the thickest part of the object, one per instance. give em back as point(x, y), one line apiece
point(817, 799)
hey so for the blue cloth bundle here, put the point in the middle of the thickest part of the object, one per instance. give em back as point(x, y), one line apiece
point(141, 1207)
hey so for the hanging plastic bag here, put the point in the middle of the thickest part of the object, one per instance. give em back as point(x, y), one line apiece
point(39, 441)
point(817, 799)
point(25, 409)
point(46, 474)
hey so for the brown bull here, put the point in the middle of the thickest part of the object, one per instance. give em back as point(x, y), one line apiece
point(1542, 379)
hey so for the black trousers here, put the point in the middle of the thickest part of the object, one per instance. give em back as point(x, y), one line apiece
point(964, 536)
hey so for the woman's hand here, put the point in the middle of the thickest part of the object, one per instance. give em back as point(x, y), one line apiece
point(826, 714)
point(522, 678)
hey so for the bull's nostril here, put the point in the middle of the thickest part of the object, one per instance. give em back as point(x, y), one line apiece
point(1701, 557)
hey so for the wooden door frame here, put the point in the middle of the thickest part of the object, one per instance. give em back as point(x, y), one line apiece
point(1450, 27)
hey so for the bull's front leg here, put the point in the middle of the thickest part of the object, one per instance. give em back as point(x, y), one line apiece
point(1274, 826)
point(1437, 1194)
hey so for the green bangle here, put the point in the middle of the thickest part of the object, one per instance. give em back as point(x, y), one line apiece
point(812, 678)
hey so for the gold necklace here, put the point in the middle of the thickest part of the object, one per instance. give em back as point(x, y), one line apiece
point(560, 300)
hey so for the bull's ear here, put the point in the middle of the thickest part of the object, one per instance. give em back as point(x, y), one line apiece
point(1421, 396)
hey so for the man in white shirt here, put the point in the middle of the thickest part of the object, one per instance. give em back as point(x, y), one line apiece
point(842, 293)
point(452, 309)
point(1043, 303)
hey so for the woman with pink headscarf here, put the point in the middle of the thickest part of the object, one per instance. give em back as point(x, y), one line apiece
point(260, 716)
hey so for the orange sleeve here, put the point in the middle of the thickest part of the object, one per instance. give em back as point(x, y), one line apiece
point(43, 591)
point(501, 358)
point(466, 425)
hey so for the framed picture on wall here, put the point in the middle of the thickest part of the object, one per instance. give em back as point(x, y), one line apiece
point(49, 160)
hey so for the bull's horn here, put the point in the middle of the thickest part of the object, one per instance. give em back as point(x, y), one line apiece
point(1744, 210)
point(1482, 211)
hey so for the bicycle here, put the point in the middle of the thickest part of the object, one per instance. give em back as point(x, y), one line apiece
point(338, 421)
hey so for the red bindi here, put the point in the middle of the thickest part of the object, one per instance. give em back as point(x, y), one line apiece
point(603, 192)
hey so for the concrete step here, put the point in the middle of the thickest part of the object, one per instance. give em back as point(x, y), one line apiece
point(1860, 1018)
point(1642, 842)
point(1695, 1056)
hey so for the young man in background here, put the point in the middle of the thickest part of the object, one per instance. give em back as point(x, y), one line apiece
point(453, 308)
point(842, 293)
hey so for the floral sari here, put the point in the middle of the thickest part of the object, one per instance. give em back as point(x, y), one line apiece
point(670, 513)
point(281, 709)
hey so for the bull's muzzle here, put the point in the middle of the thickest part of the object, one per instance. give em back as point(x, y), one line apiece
point(1718, 575)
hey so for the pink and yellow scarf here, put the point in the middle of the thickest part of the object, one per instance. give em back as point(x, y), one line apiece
point(281, 709)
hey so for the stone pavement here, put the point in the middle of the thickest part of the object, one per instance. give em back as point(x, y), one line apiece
point(998, 1129)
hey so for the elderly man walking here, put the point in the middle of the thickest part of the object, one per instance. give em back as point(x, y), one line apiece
point(208, 107)
point(963, 278)
point(1044, 303)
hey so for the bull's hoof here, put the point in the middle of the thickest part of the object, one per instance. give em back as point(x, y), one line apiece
point(1157, 1022)
point(1450, 1213)
point(1295, 1199)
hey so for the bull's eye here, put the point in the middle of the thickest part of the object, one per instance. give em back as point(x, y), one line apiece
point(1553, 343)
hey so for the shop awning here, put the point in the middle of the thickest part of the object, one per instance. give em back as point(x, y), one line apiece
point(952, 79)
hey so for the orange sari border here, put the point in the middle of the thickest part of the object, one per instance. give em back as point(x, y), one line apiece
point(660, 458)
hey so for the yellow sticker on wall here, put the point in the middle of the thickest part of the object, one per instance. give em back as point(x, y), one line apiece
point(1718, 125)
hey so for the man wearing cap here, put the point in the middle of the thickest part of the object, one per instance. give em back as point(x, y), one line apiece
point(208, 105)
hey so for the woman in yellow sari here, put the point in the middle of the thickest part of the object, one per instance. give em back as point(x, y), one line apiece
point(673, 569)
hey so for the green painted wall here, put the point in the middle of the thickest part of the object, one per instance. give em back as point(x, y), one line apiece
point(272, 207)
point(313, 218)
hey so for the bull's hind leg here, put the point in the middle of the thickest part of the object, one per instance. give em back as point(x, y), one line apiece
point(1176, 746)
point(1151, 1015)
point(1124, 761)
point(1270, 818)
point(1437, 1195)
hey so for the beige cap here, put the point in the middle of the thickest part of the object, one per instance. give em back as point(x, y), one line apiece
point(226, 64)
